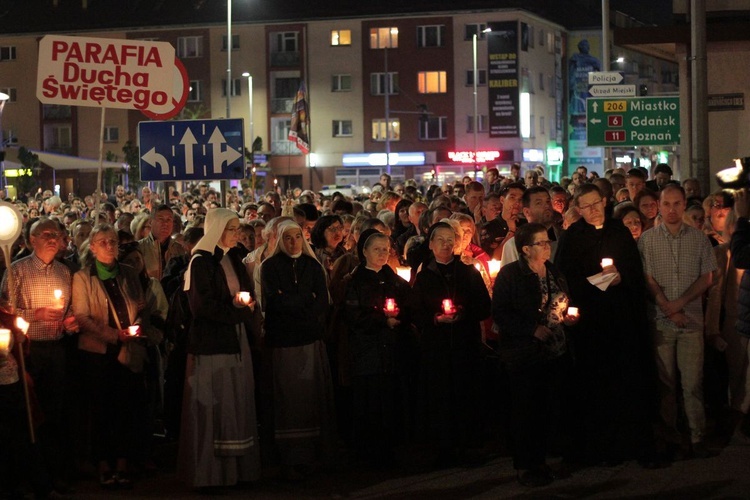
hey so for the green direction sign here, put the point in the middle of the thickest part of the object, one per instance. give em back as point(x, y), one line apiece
point(633, 121)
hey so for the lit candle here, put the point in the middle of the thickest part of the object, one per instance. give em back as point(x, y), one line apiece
point(245, 297)
point(133, 330)
point(22, 324)
point(4, 341)
point(494, 266)
point(478, 266)
point(58, 303)
point(390, 305)
point(404, 272)
point(572, 311)
point(448, 307)
point(607, 262)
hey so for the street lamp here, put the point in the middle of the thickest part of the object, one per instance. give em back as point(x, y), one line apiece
point(475, 77)
point(3, 99)
point(250, 108)
point(229, 55)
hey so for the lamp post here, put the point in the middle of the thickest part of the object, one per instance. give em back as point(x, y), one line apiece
point(475, 77)
point(250, 106)
point(476, 119)
point(3, 99)
point(229, 56)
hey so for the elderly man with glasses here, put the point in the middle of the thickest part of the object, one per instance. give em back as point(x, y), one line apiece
point(614, 379)
point(41, 292)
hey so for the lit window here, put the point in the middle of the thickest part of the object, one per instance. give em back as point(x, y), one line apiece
point(432, 82)
point(433, 128)
point(341, 83)
point(342, 128)
point(430, 36)
point(341, 37)
point(378, 129)
point(382, 38)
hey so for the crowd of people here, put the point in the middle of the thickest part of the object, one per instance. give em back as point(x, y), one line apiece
point(599, 319)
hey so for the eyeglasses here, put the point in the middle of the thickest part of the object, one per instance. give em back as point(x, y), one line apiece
point(106, 243)
point(717, 205)
point(232, 229)
point(543, 243)
point(48, 235)
point(335, 229)
point(584, 208)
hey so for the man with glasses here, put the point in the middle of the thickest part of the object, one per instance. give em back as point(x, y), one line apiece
point(612, 378)
point(159, 247)
point(37, 278)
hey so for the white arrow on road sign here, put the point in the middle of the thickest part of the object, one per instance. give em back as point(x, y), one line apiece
point(604, 77)
point(188, 140)
point(612, 90)
point(596, 106)
point(595, 121)
point(155, 160)
point(229, 155)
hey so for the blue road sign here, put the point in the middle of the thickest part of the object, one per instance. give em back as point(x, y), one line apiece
point(191, 149)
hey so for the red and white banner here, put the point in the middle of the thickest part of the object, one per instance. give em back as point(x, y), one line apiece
point(107, 72)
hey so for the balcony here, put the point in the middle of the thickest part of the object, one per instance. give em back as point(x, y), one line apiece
point(284, 148)
point(285, 59)
point(282, 106)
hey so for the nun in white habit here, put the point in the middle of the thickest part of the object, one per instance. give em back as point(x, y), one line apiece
point(219, 440)
point(295, 301)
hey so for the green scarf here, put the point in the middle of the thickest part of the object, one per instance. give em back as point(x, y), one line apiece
point(106, 274)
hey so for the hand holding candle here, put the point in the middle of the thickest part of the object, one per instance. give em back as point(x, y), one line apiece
point(59, 301)
point(390, 309)
point(606, 262)
point(134, 330)
point(494, 266)
point(22, 324)
point(448, 308)
point(571, 317)
point(4, 342)
point(244, 298)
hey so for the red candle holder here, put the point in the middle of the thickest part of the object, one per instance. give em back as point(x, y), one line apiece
point(448, 308)
point(390, 305)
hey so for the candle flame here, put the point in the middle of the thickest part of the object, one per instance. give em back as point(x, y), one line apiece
point(57, 294)
point(22, 324)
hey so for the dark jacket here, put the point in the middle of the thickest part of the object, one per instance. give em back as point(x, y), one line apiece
point(295, 300)
point(515, 302)
point(373, 345)
point(213, 329)
point(465, 287)
point(740, 250)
